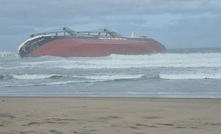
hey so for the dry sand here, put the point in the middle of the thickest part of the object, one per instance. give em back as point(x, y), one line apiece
point(39, 115)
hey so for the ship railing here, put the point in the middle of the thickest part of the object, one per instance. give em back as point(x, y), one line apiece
point(103, 33)
point(49, 33)
point(66, 30)
point(87, 34)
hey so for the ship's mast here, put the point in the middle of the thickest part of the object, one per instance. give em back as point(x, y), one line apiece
point(113, 34)
point(70, 31)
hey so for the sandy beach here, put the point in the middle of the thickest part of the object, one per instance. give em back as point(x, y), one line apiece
point(51, 115)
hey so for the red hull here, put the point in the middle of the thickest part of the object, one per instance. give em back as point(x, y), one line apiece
point(95, 48)
point(86, 44)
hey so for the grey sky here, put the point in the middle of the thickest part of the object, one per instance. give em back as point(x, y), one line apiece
point(175, 23)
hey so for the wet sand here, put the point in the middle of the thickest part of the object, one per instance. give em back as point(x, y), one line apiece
point(51, 115)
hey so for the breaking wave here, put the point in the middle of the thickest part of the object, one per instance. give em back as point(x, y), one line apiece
point(8, 54)
point(114, 77)
point(29, 76)
point(104, 77)
point(108, 77)
point(5, 77)
point(55, 79)
point(96, 78)
point(48, 70)
point(134, 61)
point(190, 76)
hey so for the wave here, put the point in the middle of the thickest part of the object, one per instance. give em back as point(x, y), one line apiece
point(103, 77)
point(29, 76)
point(55, 79)
point(57, 83)
point(5, 77)
point(134, 61)
point(108, 77)
point(194, 74)
point(167, 60)
point(8, 54)
point(190, 76)
point(24, 80)
point(170, 60)
point(96, 78)
point(36, 76)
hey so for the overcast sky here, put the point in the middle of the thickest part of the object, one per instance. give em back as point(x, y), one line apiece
point(174, 23)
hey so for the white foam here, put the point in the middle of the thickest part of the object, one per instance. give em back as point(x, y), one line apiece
point(92, 79)
point(109, 77)
point(139, 61)
point(32, 76)
point(59, 83)
point(125, 61)
point(190, 76)
point(7, 54)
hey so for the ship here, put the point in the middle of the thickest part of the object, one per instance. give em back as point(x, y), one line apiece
point(70, 43)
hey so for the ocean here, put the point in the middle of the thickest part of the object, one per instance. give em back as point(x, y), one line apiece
point(179, 73)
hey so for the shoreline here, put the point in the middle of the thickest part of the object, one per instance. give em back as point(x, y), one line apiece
point(99, 115)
